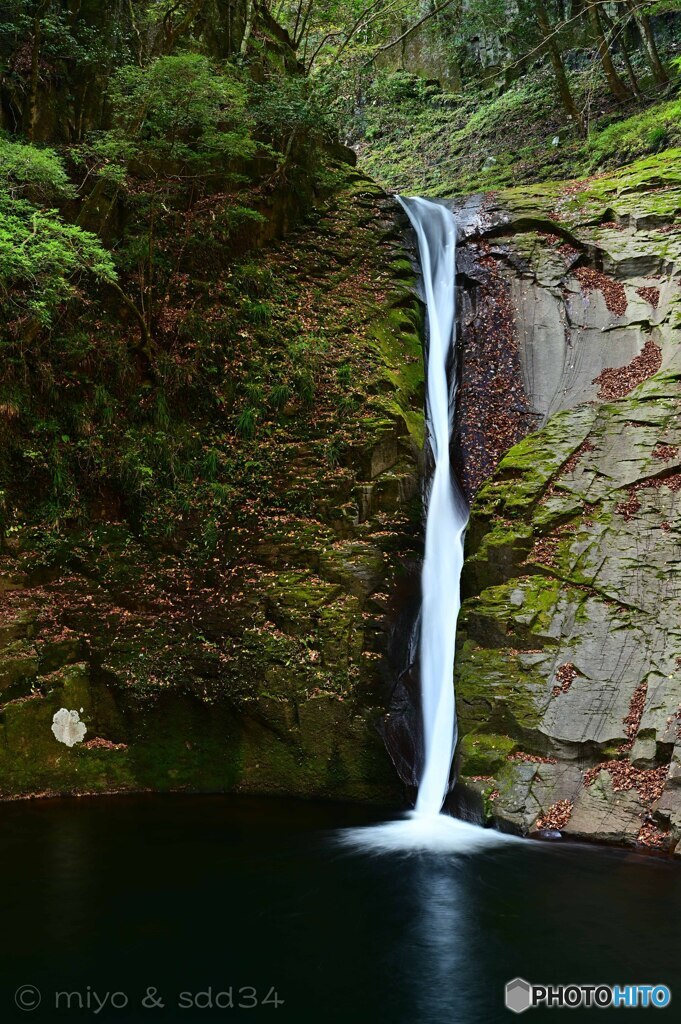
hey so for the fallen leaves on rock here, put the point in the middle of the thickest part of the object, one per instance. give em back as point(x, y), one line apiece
point(612, 291)
point(671, 480)
point(544, 551)
point(519, 755)
point(618, 381)
point(98, 743)
point(648, 782)
point(632, 719)
point(565, 675)
point(571, 464)
point(665, 452)
point(650, 295)
point(650, 835)
point(556, 816)
point(629, 508)
point(492, 413)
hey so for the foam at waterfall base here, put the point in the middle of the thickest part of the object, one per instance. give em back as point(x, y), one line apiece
point(422, 833)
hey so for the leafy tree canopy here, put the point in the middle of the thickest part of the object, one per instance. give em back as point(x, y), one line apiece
point(180, 111)
point(41, 255)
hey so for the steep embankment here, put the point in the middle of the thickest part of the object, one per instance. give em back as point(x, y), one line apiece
point(569, 679)
point(253, 654)
point(209, 469)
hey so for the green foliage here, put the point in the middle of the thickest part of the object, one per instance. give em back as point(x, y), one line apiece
point(246, 422)
point(257, 312)
point(254, 393)
point(41, 255)
point(179, 113)
point(284, 106)
point(211, 463)
point(333, 451)
point(648, 132)
point(305, 386)
point(347, 404)
point(253, 278)
point(279, 395)
point(433, 142)
point(181, 131)
point(344, 375)
point(27, 170)
point(424, 140)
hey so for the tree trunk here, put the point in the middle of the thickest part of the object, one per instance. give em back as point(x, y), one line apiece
point(171, 32)
point(34, 81)
point(645, 29)
point(146, 343)
point(566, 97)
point(615, 83)
point(631, 74)
point(250, 18)
point(624, 50)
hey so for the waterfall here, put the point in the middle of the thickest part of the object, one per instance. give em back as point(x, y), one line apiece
point(446, 518)
point(447, 513)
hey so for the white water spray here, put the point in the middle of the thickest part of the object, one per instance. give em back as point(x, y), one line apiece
point(425, 829)
point(447, 514)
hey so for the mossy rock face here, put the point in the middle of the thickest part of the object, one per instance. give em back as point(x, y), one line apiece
point(251, 652)
point(483, 754)
point(569, 638)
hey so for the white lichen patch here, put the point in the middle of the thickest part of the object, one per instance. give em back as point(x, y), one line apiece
point(67, 727)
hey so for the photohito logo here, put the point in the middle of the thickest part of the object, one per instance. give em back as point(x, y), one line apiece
point(521, 995)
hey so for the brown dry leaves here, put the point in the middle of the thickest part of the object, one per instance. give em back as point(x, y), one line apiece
point(98, 743)
point(651, 836)
point(565, 675)
point(530, 758)
point(571, 463)
point(618, 381)
point(665, 452)
point(492, 414)
point(612, 291)
point(650, 295)
point(544, 551)
point(632, 719)
point(648, 782)
point(628, 509)
point(556, 817)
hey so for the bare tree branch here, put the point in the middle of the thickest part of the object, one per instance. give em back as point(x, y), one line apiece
point(408, 32)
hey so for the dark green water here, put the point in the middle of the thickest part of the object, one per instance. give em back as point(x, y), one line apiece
point(191, 894)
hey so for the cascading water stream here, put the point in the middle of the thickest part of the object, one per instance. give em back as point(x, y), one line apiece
point(446, 518)
point(447, 513)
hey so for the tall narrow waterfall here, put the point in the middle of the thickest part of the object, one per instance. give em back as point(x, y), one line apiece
point(447, 513)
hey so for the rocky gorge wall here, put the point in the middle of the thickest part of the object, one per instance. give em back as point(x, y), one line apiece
point(258, 644)
point(208, 536)
point(252, 652)
point(569, 650)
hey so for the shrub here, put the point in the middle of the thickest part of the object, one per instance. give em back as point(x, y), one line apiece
point(246, 423)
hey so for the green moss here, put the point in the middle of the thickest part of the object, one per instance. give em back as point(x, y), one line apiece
point(484, 753)
point(500, 550)
point(429, 142)
point(530, 465)
point(233, 641)
point(496, 692)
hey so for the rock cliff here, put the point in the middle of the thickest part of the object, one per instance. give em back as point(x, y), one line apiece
point(569, 653)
